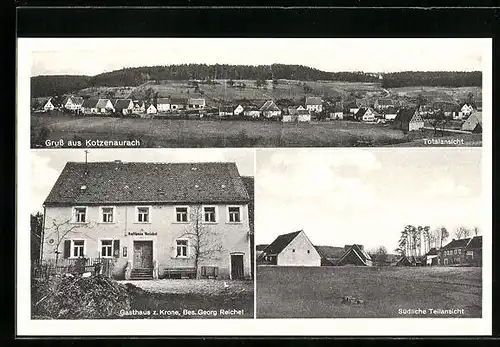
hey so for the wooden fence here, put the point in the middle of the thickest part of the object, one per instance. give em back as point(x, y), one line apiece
point(47, 268)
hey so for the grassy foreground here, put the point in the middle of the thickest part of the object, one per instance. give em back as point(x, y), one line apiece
point(389, 292)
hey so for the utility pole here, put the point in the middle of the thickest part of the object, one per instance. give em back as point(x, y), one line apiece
point(86, 153)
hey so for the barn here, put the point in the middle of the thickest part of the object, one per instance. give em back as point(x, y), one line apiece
point(355, 255)
point(408, 119)
point(474, 123)
point(292, 249)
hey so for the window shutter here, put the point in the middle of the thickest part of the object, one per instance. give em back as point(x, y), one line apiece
point(116, 248)
point(67, 248)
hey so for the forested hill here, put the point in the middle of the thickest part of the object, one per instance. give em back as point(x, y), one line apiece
point(432, 79)
point(54, 85)
point(57, 85)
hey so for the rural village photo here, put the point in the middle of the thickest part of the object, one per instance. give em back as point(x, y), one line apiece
point(139, 233)
point(369, 233)
point(248, 92)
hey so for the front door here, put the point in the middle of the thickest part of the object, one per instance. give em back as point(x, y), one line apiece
point(237, 266)
point(143, 254)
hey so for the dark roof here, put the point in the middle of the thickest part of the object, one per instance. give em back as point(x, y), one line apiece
point(269, 105)
point(121, 104)
point(196, 101)
point(280, 243)
point(459, 243)
point(117, 182)
point(405, 115)
point(432, 251)
point(357, 250)
point(330, 252)
point(179, 101)
point(389, 110)
point(476, 242)
point(77, 100)
point(228, 109)
point(260, 248)
point(102, 103)
point(90, 103)
point(163, 101)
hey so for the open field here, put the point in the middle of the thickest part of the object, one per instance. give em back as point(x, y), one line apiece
point(213, 133)
point(438, 93)
point(305, 292)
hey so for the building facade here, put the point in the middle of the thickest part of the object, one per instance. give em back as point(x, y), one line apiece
point(150, 217)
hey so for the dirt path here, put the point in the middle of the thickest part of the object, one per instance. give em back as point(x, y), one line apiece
point(186, 286)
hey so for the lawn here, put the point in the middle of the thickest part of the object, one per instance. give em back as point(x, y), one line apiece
point(306, 292)
point(214, 133)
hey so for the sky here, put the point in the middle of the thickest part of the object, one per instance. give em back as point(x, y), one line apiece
point(46, 165)
point(91, 56)
point(346, 196)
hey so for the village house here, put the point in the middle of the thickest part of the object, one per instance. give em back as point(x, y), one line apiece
point(151, 109)
point(259, 250)
point(383, 103)
point(238, 110)
point(330, 255)
point(105, 106)
point(366, 114)
point(355, 255)
point(363, 103)
point(139, 107)
point(449, 109)
point(225, 111)
point(293, 249)
point(270, 110)
point(431, 257)
point(124, 106)
point(89, 106)
point(72, 103)
point(251, 111)
point(49, 105)
point(314, 104)
point(410, 260)
point(152, 219)
point(351, 107)
point(178, 103)
point(408, 119)
point(474, 123)
point(390, 113)
point(196, 103)
point(294, 114)
point(163, 105)
point(467, 251)
point(466, 110)
point(335, 112)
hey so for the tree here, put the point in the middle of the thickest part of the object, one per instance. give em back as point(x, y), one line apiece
point(110, 94)
point(439, 122)
point(56, 233)
point(204, 239)
point(230, 82)
point(460, 232)
point(260, 83)
point(476, 231)
point(444, 234)
point(307, 89)
point(470, 98)
point(275, 83)
point(421, 100)
point(149, 93)
point(380, 256)
point(36, 235)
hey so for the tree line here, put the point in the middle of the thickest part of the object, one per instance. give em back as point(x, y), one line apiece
point(57, 85)
point(432, 79)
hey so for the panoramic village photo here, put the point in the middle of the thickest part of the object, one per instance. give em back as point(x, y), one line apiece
point(142, 234)
point(369, 233)
point(245, 92)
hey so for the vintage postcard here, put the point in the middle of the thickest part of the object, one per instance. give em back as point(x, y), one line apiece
point(244, 92)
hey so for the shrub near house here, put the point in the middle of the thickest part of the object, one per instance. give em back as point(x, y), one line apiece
point(152, 218)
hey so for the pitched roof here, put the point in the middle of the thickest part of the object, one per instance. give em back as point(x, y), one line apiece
point(280, 243)
point(227, 109)
point(405, 115)
point(117, 182)
point(77, 100)
point(269, 105)
point(121, 104)
point(90, 103)
point(358, 251)
point(459, 243)
point(314, 100)
point(178, 101)
point(163, 101)
point(476, 242)
point(432, 251)
point(330, 252)
point(102, 103)
point(390, 110)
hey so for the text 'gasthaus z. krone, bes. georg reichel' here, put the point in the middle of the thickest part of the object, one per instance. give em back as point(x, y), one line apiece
point(93, 143)
point(184, 312)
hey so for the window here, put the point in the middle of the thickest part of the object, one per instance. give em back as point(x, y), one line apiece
point(143, 214)
point(107, 214)
point(78, 248)
point(308, 251)
point(182, 246)
point(293, 250)
point(209, 214)
point(80, 214)
point(454, 251)
point(106, 248)
point(459, 251)
point(181, 214)
point(234, 214)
